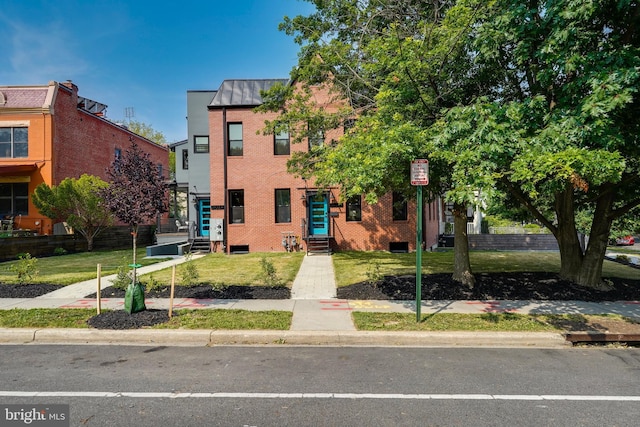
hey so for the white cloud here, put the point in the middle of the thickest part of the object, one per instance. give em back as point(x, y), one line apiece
point(38, 54)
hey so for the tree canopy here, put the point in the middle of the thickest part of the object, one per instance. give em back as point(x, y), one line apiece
point(558, 129)
point(136, 193)
point(147, 131)
point(78, 202)
point(535, 99)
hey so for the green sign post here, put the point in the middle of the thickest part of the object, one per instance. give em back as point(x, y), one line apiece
point(419, 177)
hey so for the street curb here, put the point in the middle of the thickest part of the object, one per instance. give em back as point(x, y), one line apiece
point(601, 337)
point(200, 337)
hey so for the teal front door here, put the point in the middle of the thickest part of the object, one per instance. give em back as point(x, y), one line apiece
point(319, 215)
point(204, 208)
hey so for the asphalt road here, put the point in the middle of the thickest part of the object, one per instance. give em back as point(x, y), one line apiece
point(325, 386)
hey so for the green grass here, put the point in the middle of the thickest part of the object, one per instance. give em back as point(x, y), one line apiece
point(229, 319)
point(352, 267)
point(281, 320)
point(494, 322)
point(244, 269)
point(45, 318)
point(182, 319)
point(72, 268)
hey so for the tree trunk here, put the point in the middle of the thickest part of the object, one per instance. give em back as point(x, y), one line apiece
point(571, 256)
point(591, 271)
point(584, 269)
point(461, 263)
point(134, 233)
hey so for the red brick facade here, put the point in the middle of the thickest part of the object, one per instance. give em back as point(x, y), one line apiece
point(258, 172)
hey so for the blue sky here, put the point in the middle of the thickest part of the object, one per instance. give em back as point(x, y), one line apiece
point(146, 54)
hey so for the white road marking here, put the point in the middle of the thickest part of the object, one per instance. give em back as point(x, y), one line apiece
point(392, 396)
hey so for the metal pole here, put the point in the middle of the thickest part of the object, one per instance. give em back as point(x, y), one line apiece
point(173, 289)
point(419, 255)
point(98, 300)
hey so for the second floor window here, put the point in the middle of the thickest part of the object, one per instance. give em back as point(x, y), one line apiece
point(14, 142)
point(201, 144)
point(281, 144)
point(316, 137)
point(235, 139)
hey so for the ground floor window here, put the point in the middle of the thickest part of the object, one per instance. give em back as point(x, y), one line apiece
point(236, 204)
point(14, 199)
point(354, 208)
point(283, 205)
point(399, 207)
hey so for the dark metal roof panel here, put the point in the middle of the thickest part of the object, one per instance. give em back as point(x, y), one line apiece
point(236, 93)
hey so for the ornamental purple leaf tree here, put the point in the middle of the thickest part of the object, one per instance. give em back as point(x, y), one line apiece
point(137, 192)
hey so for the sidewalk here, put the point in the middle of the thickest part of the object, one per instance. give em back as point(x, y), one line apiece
point(318, 317)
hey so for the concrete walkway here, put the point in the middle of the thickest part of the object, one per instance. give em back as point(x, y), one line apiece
point(314, 292)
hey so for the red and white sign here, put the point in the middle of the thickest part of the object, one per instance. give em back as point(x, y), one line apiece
point(420, 172)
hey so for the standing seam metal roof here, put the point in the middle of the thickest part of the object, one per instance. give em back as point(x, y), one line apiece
point(236, 93)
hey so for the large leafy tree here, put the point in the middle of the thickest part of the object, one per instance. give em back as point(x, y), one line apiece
point(136, 193)
point(558, 125)
point(78, 202)
point(536, 99)
point(395, 64)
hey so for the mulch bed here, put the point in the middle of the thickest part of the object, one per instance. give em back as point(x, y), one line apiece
point(26, 290)
point(206, 292)
point(492, 286)
point(489, 286)
point(120, 319)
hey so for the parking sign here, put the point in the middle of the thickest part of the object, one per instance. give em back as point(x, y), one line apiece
point(420, 172)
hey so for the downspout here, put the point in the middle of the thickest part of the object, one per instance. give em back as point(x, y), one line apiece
point(225, 214)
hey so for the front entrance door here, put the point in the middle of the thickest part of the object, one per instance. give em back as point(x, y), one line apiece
point(318, 214)
point(204, 219)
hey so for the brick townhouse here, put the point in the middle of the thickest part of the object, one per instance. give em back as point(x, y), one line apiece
point(258, 206)
point(49, 133)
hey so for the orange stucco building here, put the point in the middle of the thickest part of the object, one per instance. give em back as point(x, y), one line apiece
point(49, 133)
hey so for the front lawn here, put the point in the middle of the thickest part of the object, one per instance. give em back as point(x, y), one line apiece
point(494, 322)
point(78, 267)
point(244, 269)
point(355, 267)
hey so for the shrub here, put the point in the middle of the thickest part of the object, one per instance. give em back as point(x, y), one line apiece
point(269, 274)
point(60, 251)
point(374, 276)
point(123, 278)
point(189, 272)
point(152, 283)
point(25, 268)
